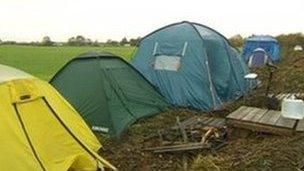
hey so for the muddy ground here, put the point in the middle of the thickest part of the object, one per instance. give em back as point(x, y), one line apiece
point(255, 152)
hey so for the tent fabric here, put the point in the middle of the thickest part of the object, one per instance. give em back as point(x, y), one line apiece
point(8, 73)
point(40, 130)
point(107, 91)
point(192, 65)
point(268, 43)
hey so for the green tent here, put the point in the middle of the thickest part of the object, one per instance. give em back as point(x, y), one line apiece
point(107, 91)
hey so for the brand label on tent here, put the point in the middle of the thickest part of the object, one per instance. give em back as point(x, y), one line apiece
point(171, 63)
point(100, 129)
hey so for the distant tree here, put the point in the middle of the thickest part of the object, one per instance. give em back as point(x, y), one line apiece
point(88, 42)
point(79, 41)
point(71, 41)
point(291, 40)
point(135, 42)
point(108, 41)
point(236, 40)
point(34, 43)
point(0, 41)
point(46, 41)
point(10, 42)
point(95, 43)
point(112, 42)
point(123, 41)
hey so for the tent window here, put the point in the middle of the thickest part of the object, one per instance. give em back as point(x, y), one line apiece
point(163, 62)
point(166, 60)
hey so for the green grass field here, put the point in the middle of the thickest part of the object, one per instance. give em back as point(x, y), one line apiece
point(255, 149)
point(44, 62)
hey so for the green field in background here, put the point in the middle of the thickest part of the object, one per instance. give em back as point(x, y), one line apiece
point(44, 62)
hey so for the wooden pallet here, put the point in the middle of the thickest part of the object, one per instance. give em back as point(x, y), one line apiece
point(263, 120)
point(282, 96)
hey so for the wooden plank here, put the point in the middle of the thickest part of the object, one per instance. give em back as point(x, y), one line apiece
point(207, 121)
point(236, 112)
point(285, 122)
point(300, 95)
point(178, 148)
point(258, 114)
point(270, 117)
point(286, 95)
point(237, 124)
point(300, 126)
point(223, 122)
point(249, 115)
point(211, 121)
point(217, 122)
point(189, 121)
point(265, 118)
point(254, 115)
point(186, 123)
point(270, 95)
point(280, 96)
point(239, 113)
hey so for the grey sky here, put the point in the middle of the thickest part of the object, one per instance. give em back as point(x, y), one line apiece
point(30, 20)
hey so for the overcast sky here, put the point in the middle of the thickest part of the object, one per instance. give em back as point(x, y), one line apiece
point(30, 20)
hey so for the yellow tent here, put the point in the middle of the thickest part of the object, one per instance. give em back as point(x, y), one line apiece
point(39, 130)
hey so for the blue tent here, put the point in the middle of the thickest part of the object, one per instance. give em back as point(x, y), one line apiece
point(268, 43)
point(192, 65)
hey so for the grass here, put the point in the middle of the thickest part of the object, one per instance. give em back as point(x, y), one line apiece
point(256, 152)
point(44, 62)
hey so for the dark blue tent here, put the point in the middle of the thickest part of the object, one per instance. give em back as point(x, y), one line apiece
point(268, 43)
point(192, 65)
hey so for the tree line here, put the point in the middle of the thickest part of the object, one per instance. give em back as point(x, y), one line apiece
point(78, 40)
point(286, 40)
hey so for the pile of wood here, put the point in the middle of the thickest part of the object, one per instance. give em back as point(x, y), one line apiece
point(196, 133)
